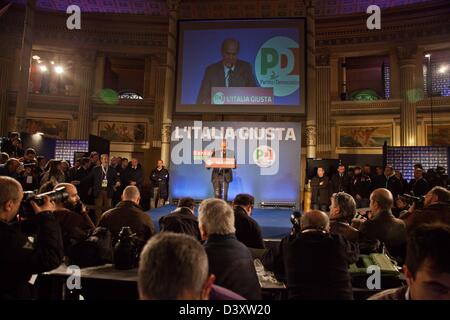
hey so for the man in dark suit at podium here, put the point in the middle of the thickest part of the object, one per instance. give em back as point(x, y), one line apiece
point(229, 72)
point(222, 177)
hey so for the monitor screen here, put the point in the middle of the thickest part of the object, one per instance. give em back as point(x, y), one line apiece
point(249, 66)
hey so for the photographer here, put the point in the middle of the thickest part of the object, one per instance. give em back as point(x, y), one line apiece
point(20, 258)
point(28, 178)
point(12, 145)
point(10, 168)
point(316, 262)
point(72, 217)
point(436, 208)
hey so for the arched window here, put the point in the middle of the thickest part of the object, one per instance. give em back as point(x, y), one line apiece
point(129, 94)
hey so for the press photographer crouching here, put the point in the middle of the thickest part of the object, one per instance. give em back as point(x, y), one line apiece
point(72, 216)
point(436, 208)
point(20, 257)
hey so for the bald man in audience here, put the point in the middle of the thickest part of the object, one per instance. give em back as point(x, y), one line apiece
point(316, 262)
point(383, 226)
point(128, 213)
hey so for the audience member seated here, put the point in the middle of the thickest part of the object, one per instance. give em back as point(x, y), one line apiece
point(182, 219)
point(128, 213)
point(427, 267)
point(20, 257)
point(436, 209)
point(247, 229)
point(342, 211)
point(229, 260)
point(72, 217)
point(383, 226)
point(316, 262)
point(175, 267)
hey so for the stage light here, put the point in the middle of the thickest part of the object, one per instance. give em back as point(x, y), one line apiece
point(36, 57)
point(39, 61)
point(443, 69)
point(52, 62)
point(59, 69)
point(43, 68)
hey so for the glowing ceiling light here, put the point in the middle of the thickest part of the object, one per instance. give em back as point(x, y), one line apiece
point(36, 57)
point(428, 55)
point(52, 62)
point(43, 68)
point(59, 69)
point(443, 69)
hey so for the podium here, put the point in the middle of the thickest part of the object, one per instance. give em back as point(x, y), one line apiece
point(220, 163)
point(242, 95)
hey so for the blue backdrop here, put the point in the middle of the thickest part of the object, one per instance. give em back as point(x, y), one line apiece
point(201, 48)
point(270, 173)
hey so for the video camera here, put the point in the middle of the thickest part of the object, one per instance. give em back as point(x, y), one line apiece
point(410, 200)
point(26, 210)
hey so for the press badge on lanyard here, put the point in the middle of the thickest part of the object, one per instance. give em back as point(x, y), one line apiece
point(104, 181)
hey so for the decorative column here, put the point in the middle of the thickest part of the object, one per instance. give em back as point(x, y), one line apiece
point(410, 94)
point(99, 73)
point(25, 60)
point(4, 79)
point(311, 124)
point(169, 86)
point(148, 77)
point(323, 73)
point(86, 81)
point(159, 105)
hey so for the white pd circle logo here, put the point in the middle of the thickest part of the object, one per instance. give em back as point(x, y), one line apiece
point(264, 156)
point(276, 66)
point(219, 98)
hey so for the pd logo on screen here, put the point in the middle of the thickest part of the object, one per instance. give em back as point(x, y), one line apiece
point(219, 98)
point(277, 66)
point(264, 156)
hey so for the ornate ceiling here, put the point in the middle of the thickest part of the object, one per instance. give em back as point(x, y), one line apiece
point(158, 7)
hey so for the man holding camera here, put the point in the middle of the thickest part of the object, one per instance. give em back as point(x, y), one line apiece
point(436, 208)
point(72, 216)
point(20, 258)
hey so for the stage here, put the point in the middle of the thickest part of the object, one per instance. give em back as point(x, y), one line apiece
point(274, 223)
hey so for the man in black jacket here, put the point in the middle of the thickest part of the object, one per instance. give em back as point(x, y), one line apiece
point(383, 226)
point(247, 229)
point(316, 262)
point(20, 258)
point(419, 185)
point(392, 183)
point(222, 177)
point(134, 175)
point(229, 260)
point(321, 191)
point(181, 220)
point(160, 185)
point(105, 182)
point(341, 180)
point(128, 213)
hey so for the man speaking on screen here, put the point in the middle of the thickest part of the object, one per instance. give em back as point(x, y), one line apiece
point(229, 72)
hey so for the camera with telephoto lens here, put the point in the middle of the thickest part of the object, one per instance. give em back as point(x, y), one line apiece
point(26, 210)
point(410, 200)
